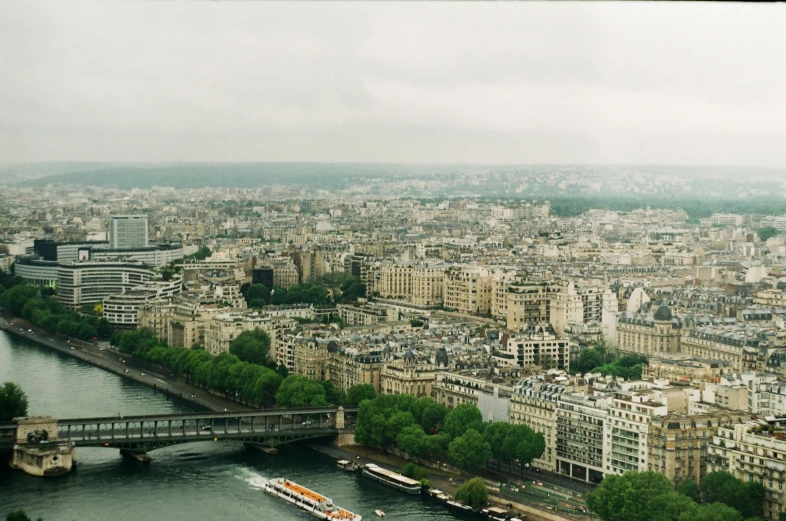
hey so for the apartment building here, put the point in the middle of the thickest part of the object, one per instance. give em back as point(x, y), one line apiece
point(408, 375)
point(626, 432)
point(122, 310)
point(539, 345)
point(366, 314)
point(493, 399)
point(222, 329)
point(428, 284)
point(649, 335)
point(720, 343)
point(581, 422)
point(395, 280)
point(566, 306)
point(753, 451)
point(679, 367)
point(534, 403)
point(677, 444)
point(527, 302)
point(467, 290)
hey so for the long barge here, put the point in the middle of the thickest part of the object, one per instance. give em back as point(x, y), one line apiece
point(392, 479)
point(320, 506)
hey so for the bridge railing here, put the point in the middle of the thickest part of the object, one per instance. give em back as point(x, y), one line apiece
point(211, 415)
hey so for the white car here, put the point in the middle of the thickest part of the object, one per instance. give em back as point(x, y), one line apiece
point(141, 374)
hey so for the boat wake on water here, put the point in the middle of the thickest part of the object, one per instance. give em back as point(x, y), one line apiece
point(254, 480)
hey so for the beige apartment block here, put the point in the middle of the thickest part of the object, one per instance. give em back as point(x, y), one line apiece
point(395, 280)
point(467, 290)
point(224, 328)
point(528, 302)
point(408, 375)
point(753, 451)
point(323, 360)
point(677, 444)
point(428, 284)
point(682, 368)
point(534, 403)
point(539, 345)
point(649, 336)
point(565, 307)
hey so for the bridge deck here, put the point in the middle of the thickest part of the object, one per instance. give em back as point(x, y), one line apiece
point(166, 429)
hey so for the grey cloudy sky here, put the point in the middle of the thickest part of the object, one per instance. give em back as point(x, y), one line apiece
point(498, 82)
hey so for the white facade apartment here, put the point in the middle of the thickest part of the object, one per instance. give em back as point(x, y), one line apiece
point(626, 431)
point(122, 310)
point(538, 344)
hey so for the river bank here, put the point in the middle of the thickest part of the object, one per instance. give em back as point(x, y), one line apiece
point(101, 356)
point(446, 481)
point(104, 357)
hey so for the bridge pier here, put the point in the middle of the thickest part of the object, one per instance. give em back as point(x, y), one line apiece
point(37, 451)
point(141, 457)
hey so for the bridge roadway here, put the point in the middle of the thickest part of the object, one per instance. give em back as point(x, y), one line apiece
point(145, 433)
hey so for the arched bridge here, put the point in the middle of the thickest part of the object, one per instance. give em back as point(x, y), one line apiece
point(140, 434)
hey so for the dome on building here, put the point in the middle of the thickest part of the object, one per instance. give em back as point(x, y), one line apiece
point(332, 346)
point(442, 357)
point(409, 356)
point(663, 314)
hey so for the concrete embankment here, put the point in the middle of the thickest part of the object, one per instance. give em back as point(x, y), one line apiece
point(442, 481)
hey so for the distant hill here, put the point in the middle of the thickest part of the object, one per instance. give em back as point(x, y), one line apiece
point(236, 175)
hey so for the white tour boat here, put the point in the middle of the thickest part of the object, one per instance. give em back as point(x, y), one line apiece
point(320, 506)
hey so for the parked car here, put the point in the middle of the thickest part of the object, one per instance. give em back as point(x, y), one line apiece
point(307, 422)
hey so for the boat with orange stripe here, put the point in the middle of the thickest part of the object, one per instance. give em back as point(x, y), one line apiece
point(320, 506)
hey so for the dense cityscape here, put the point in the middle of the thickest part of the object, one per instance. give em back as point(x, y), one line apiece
point(622, 342)
point(432, 261)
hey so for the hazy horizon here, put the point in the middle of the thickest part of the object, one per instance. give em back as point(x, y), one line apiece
point(470, 83)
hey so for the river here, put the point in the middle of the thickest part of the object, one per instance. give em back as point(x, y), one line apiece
point(192, 482)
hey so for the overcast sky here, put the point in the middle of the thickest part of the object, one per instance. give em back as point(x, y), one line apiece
point(500, 82)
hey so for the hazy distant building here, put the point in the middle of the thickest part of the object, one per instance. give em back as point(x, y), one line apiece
point(128, 231)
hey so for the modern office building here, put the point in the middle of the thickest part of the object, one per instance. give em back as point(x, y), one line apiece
point(90, 282)
point(127, 231)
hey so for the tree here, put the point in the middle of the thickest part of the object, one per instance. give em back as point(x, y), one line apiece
point(689, 488)
point(495, 435)
point(469, 451)
point(722, 487)
point(638, 496)
point(257, 292)
point(473, 493)
point(104, 328)
point(413, 441)
point(588, 360)
point(432, 416)
point(299, 391)
point(252, 346)
point(332, 395)
point(13, 402)
point(358, 393)
point(712, 512)
point(463, 417)
point(767, 232)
